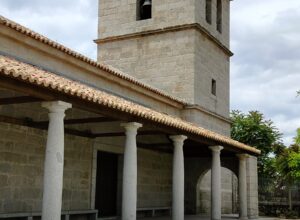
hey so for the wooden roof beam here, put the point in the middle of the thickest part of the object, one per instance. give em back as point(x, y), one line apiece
point(19, 100)
point(120, 134)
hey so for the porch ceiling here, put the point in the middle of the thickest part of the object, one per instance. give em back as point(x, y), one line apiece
point(19, 109)
point(39, 84)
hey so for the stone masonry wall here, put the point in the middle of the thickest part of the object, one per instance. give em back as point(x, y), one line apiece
point(211, 63)
point(212, 28)
point(207, 121)
point(22, 152)
point(195, 169)
point(229, 193)
point(118, 17)
point(164, 61)
point(181, 63)
point(154, 179)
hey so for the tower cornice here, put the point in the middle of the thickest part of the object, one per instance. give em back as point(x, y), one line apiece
point(176, 28)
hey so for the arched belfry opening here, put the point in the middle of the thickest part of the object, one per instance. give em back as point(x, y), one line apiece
point(229, 192)
point(219, 15)
point(144, 9)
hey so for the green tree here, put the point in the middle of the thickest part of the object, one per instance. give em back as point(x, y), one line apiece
point(297, 138)
point(253, 129)
point(288, 167)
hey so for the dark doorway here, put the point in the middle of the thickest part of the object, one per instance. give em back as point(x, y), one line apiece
point(106, 184)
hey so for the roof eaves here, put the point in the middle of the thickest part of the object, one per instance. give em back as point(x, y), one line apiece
point(35, 76)
point(26, 31)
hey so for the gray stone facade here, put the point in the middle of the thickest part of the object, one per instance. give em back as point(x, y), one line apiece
point(175, 51)
point(195, 172)
point(154, 179)
point(22, 152)
point(229, 193)
point(118, 17)
point(182, 63)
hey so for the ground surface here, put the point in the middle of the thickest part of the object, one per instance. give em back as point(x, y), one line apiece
point(200, 217)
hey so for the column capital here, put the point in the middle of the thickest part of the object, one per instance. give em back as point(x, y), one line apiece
point(131, 125)
point(242, 156)
point(178, 138)
point(56, 106)
point(216, 149)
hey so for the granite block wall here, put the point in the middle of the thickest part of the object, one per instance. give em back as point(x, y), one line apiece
point(22, 153)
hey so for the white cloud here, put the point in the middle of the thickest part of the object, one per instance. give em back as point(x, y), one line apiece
point(265, 71)
point(72, 23)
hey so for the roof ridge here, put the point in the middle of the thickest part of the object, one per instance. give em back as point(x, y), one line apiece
point(103, 66)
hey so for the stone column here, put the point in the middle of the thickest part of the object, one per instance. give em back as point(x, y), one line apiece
point(129, 198)
point(54, 161)
point(243, 185)
point(178, 178)
point(216, 193)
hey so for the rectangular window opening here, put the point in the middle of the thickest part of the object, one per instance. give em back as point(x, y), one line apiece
point(208, 11)
point(219, 16)
point(143, 9)
point(214, 87)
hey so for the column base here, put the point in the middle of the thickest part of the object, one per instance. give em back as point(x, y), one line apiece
point(243, 218)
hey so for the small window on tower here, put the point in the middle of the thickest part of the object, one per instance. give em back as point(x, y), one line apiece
point(214, 87)
point(144, 9)
point(219, 16)
point(208, 11)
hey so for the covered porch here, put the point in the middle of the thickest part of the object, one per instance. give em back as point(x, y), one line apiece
point(193, 217)
point(159, 157)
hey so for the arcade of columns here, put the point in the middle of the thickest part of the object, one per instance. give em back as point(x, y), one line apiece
point(53, 174)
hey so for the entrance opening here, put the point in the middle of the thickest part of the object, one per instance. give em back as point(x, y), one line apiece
point(106, 184)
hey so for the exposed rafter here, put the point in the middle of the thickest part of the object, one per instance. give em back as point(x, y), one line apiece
point(161, 147)
point(29, 123)
point(19, 100)
point(43, 125)
point(119, 134)
point(79, 121)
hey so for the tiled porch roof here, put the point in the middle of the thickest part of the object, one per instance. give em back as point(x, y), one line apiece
point(109, 69)
point(38, 77)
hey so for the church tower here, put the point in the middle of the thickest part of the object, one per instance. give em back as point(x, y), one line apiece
point(178, 46)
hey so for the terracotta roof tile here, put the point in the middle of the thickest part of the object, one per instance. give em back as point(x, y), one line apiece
point(36, 76)
point(17, 27)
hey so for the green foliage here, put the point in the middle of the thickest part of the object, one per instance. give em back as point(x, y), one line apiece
point(288, 167)
point(254, 130)
point(288, 164)
point(297, 138)
point(294, 164)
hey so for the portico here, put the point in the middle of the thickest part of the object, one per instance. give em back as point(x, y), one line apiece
point(58, 112)
point(54, 153)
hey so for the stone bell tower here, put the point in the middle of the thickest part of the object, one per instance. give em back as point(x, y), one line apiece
point(178, 46)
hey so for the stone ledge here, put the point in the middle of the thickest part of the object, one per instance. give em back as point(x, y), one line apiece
point(196, 26)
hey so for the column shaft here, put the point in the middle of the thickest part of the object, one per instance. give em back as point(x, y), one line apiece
point(243, 186)
point(178, 178)
point(129, 199)
point(216, 193)
point(54, 161)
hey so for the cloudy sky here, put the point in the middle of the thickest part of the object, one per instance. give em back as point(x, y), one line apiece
point(265, 71)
